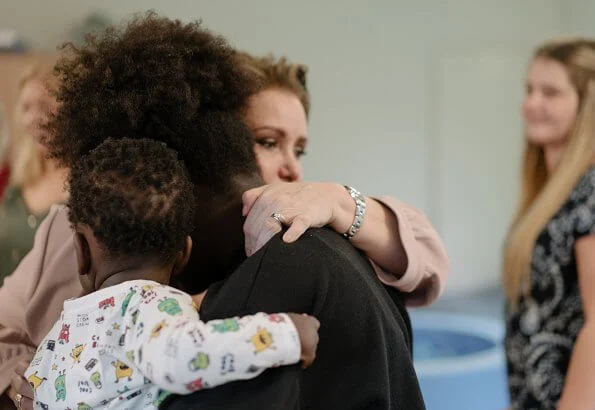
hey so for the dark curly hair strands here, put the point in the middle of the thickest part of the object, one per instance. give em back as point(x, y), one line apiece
point(160, 79)
point(136, 197)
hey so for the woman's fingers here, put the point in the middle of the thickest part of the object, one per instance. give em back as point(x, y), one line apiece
point(299, 225)
point(249, 198)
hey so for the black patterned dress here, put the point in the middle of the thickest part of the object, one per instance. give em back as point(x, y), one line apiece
point(540, 335)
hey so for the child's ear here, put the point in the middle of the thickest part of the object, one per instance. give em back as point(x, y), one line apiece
point(83, 253)
point(182, 257)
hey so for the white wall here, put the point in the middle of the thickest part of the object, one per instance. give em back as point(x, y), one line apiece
point(416, 99)
point(578, 17)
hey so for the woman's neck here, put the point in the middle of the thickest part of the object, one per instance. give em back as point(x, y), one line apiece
point(553, 155)
point(48, 189)
point(49, 171)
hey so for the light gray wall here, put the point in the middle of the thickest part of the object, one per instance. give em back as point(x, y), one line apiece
point(415, 99)
point(578, 17)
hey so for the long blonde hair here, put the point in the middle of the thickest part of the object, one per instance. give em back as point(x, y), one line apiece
point(542, 196)
point(29, 162)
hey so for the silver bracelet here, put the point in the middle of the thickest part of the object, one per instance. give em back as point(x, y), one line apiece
point(360, 211)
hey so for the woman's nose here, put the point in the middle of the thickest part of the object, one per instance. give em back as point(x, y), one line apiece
point(291, 169)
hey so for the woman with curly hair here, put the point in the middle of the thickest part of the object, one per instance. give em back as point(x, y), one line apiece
point(179, 84)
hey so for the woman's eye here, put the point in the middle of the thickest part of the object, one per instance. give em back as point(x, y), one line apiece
point(550, 92)
point(267, 143)
point(300, 152)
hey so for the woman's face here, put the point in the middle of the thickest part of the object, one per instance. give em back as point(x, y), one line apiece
point(278, 122)
point(551, 103)
point(35, 105)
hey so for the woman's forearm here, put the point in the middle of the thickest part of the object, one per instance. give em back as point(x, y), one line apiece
point(378, 236)
point(406, 251)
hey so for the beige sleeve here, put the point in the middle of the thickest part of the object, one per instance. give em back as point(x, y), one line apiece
point(428, 264)
point(31, 298)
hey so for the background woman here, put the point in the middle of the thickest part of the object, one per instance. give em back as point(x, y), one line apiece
point(35, 181)
point(550, 254)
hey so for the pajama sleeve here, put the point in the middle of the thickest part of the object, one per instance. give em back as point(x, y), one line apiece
point(181, 354)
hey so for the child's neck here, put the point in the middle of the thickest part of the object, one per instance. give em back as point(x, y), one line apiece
point(128, 272)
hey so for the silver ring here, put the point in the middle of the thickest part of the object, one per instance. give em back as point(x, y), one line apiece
point(277, 217)
point(17, 401)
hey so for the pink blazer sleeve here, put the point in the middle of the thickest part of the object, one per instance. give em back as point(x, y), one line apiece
point(428, 264)
point(31, 298)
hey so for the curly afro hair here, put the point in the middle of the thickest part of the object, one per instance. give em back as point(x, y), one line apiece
point(160, 79)
point(136, 197)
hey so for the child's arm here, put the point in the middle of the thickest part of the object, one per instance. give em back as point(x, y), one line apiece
point(182, 354)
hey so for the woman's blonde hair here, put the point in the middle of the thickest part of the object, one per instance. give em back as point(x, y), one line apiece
point(541, 194)
point(29, 160)
point(271, 72)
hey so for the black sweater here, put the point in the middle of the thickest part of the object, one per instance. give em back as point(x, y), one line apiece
point(363, 359)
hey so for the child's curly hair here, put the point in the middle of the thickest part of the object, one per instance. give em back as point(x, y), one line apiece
point(136, 197)
point(159, 79)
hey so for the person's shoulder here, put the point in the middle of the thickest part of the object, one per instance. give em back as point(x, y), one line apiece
point(315, 246)
point(148, 290)
point(58, 212)
point(56, 220)
point(584, 190)
point(314, 240)
point(56, 230)
point(146, 297)
point(588, 178)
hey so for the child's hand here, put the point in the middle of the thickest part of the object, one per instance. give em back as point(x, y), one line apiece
point(197, 299)
point(307, 327)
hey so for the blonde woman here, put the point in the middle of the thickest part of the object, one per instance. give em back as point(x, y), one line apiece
point(35, 181)
point(406, 251)
point(549, 262)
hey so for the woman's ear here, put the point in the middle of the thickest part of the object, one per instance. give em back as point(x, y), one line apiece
point(182, 257)
point(83, 253)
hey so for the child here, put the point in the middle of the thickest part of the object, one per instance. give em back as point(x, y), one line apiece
point(132, 339)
